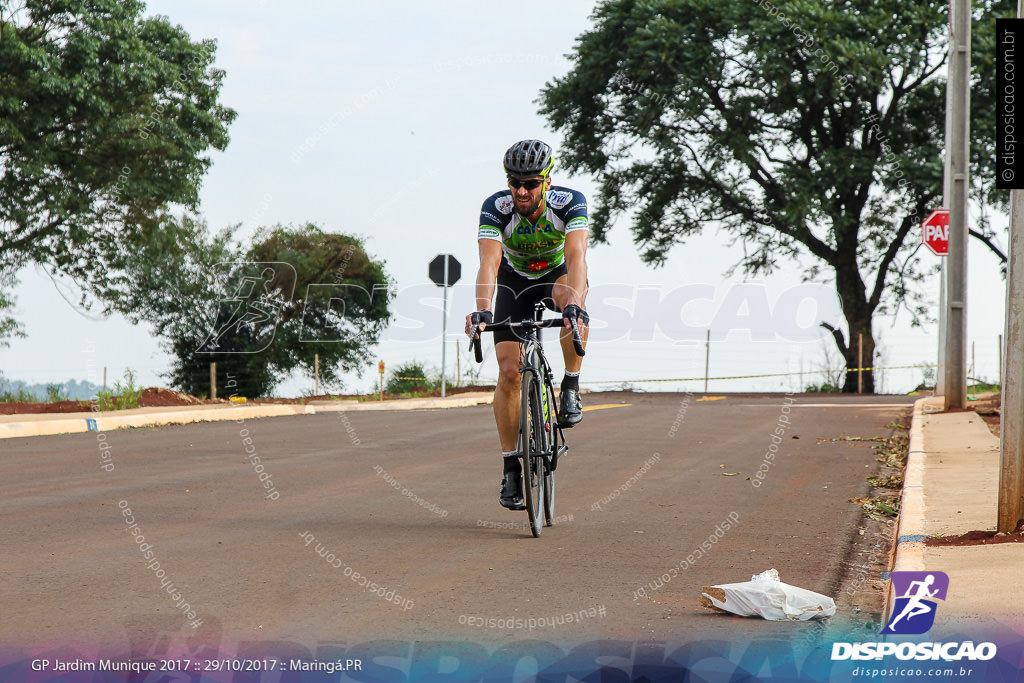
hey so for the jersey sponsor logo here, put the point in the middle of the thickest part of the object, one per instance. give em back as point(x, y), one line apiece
point(579, 223)
point(558, 199)
point(504, 204)
point(533, 230)
point(582, 206)
point(537, 266)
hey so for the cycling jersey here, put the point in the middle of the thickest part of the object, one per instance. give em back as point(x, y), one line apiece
point(533, 249)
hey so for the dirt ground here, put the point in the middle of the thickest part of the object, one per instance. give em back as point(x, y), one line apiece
point(154, 397)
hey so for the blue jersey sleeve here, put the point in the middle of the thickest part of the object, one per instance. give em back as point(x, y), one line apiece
point(495, 214)
point(570, 206)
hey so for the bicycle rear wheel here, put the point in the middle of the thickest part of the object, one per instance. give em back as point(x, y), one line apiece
point(531, 441)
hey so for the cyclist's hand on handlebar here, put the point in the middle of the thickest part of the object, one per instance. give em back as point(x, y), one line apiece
point(476, 322)
point(574, 312)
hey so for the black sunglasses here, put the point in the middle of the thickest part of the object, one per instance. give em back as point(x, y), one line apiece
point(516, 183)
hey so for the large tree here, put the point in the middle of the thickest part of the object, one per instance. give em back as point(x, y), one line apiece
point(259, 311)
point(106, 118)
point(808, 130)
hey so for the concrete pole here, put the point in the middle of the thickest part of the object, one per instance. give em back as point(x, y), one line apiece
point(956, 304)
point(940, 372)
point(1011, 425)
point(1011, 437)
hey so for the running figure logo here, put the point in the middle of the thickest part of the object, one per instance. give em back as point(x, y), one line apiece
point(913, 611)
point(250, 313)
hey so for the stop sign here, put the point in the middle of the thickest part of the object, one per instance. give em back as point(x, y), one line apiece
point(436, 270)
point(936, 232)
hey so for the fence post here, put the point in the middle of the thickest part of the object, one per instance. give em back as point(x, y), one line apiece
point(860, 363)
point(707, 359)
point(213, 380)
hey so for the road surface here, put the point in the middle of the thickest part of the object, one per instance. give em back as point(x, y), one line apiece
point(285, 535)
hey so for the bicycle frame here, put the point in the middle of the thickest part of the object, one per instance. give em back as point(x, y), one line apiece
point(547, 438)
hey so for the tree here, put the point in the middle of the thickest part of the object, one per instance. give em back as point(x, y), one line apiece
point(803, 129)
point(105, 119)
point(261, 311)
point(343, 307)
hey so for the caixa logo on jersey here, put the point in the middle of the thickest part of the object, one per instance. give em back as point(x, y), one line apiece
point(913, 613)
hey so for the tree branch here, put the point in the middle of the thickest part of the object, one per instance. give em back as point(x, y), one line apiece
point(840, 340)
point(890, 256)
point(987, 241)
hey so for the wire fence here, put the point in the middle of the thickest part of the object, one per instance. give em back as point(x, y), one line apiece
point(642, 366)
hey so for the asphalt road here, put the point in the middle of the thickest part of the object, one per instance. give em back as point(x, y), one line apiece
point(269, 555)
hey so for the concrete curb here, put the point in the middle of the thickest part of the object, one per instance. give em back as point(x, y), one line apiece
point(48, 424)
point(908, 550)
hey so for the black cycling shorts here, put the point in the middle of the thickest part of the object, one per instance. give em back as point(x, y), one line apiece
point(517, 296)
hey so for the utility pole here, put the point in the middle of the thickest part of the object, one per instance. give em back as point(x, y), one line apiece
point(1011, 429)
point(1011, 425)
point(955, 395)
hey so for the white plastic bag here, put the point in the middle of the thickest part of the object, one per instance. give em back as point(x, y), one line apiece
point(766, 596)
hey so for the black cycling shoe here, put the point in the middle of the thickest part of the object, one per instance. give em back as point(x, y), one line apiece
point(570, 409)
point(511, 496)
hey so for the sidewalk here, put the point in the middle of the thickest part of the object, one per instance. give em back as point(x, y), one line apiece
point(951, 488)
point(42, 424)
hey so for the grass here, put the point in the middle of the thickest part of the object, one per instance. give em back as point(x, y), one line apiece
point(121, 396)
point(19, 395)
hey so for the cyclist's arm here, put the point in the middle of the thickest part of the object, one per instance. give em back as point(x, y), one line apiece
point(490, 259)
point(576, 265)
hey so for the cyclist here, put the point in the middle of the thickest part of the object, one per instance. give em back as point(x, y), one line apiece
point(533, 243)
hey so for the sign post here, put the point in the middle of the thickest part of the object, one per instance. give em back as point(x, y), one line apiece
point(380, 367)
point(444, 271)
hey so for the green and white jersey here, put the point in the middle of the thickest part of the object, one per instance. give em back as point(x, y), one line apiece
point(533, 250)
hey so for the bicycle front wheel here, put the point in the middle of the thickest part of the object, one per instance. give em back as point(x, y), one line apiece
point(549, 491)
point(531, 442)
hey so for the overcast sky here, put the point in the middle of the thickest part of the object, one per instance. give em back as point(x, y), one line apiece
point(389, 120)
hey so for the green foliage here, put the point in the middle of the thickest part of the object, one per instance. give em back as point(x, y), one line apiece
point(9, 325)
point(824, 387)
point(258, 312)
point(18, 395)
point(122, 396)
point(981, 386)
point(106, 118)
point(802, 129)
point(56, 393)
point(410, 378)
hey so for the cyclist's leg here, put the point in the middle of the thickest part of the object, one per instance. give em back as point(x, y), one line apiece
point(506, 395)
point(509, 305)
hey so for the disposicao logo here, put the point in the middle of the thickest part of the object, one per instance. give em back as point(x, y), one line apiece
point(913, 611)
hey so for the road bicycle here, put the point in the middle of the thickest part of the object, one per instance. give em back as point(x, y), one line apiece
point(541, 441)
